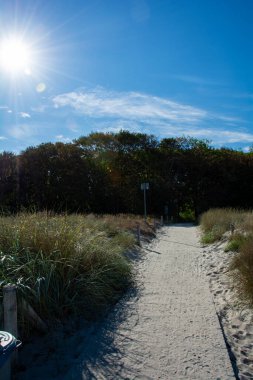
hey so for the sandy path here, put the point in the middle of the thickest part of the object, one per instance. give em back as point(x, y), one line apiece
point(168, 329)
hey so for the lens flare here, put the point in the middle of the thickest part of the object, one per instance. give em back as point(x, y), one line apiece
point(41, 87)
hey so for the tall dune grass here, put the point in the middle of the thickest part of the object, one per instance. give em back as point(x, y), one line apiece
point(241, 271)
point(214, 224)
point(66, 265)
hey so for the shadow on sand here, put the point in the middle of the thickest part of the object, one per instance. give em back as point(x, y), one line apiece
point(102, 353)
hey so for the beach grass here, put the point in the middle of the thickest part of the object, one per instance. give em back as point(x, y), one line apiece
point(67, 265)
point(241, 272)
point(214, 224)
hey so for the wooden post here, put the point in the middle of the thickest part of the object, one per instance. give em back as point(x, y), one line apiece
point(10, 309)
point(10, 325)
point(138, 234)
point(232, 228)
point(161, 220)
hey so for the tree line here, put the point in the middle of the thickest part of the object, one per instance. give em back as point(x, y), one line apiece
point(102, 173)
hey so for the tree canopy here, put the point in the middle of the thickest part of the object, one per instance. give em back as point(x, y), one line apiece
point(102, 173)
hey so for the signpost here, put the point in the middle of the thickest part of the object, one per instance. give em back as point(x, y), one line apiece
point(144, 187)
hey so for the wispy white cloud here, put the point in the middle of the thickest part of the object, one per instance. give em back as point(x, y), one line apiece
point(63, 139)
point(229, 119)
point(218, 136)
point(234, 137)
point(24, 115)
point(112, 111)
point(3, 138)
point(99, 103)
point(5, 109)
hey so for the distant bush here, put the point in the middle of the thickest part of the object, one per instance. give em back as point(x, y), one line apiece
point(187, 215)
point(67, 265)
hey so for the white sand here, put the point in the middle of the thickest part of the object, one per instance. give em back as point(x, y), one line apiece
point(236, 320)
point(166, 328)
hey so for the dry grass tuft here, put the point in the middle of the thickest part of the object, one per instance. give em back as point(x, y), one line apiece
point(241, 271)
point(67, 265)
point(214, 224)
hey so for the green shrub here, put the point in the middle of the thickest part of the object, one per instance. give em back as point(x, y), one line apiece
point(187, 215)
point(213, 235)
point(235, 242)
point(208, 238)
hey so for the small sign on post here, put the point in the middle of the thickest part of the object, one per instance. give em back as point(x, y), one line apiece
point(144, 187)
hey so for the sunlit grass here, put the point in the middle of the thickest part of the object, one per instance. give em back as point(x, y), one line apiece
point(67, 265)
point(236, 241)
point(215, 223)
point(241, 271)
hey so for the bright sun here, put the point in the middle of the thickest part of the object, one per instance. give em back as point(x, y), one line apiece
point(15, 56)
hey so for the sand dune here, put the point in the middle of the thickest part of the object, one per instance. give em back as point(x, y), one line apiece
point(237, 321)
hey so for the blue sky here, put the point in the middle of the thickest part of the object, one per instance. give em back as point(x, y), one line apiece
point(166, 67)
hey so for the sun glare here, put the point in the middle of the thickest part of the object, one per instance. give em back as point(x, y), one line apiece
point(15, 56)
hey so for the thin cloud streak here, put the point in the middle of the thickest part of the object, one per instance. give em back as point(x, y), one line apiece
point(5, 109)
point(24, 115)
point(221, 136)
point(113, 111)
point(99, 103)
point(214, 135)
point(133, 106)
point(217, 137)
